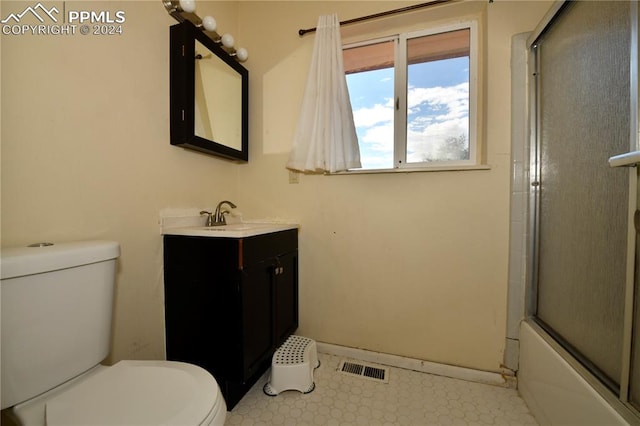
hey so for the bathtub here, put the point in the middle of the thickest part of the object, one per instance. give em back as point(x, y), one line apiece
point(554, 390)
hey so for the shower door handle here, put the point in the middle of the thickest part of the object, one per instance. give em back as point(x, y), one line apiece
point(628, 159)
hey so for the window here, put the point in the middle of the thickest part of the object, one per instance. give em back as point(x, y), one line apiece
point(413, 97)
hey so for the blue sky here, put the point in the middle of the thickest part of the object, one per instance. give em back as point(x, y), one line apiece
point(438, 109)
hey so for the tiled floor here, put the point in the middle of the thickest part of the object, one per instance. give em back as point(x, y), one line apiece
point(410, 398)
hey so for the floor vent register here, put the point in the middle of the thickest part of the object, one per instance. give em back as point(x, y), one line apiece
point(365, 371)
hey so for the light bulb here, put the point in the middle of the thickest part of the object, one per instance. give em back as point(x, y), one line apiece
point(188, 6)
point(209, 23)
point(242, 54)
point(227, 40)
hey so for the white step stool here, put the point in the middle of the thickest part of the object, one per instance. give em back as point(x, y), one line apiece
point(292, 366)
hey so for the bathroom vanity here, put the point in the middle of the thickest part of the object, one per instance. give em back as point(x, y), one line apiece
point(231, 298)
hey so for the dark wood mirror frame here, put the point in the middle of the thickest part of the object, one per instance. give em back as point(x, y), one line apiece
point(183, 38)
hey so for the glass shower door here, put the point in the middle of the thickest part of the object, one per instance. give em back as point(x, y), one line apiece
point(634, 376)
point(633, 304)
point(583, 92)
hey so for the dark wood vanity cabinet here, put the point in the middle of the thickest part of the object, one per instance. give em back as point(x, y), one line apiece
point(229, 303)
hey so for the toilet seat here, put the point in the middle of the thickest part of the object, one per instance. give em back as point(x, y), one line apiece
point(140, 393)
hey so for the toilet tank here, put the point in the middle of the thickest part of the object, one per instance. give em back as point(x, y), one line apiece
point(55, 314)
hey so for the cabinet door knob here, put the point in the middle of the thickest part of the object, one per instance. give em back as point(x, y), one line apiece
point(279, 269)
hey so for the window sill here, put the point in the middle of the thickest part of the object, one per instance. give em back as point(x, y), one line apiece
point(413, 170)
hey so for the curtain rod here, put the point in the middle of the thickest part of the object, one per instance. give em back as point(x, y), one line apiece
point(302, 32)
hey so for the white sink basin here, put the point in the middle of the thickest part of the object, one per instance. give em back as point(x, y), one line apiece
point(237, 227)
point(234, 230)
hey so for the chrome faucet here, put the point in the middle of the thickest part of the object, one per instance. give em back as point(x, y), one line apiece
point(218, 219)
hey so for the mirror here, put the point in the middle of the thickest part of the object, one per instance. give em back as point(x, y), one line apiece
point(209, 96)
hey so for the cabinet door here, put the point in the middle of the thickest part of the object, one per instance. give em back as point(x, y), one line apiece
point(257, 315)
point(202, 304)
point(286, 296)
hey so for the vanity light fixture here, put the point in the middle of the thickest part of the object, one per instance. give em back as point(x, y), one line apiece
point(188, 6)
point(209, 23)
point(184, 10)
point(242, 54)
point(227, 40)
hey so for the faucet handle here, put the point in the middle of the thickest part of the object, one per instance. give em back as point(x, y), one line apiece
point(223, 218)
point(209, 217)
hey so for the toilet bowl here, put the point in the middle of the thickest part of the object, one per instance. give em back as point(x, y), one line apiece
point(56, 310)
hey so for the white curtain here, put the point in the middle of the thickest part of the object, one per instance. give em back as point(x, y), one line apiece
point(325, 138)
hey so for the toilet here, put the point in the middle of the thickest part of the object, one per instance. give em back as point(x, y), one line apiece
point(56, 309)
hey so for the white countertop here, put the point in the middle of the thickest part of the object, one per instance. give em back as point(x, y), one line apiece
point(233, 230)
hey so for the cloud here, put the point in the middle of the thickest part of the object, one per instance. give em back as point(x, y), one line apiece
point(432, 140)
point(452, 100)
point(379, 138)
point(435, 114)
point(376, 161)
point(371, 116)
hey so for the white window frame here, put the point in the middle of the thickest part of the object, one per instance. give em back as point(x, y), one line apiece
point(400, 95)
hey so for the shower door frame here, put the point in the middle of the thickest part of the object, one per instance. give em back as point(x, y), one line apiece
point(620, 403)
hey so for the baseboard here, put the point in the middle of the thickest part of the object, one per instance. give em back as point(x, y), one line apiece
point(452, 371)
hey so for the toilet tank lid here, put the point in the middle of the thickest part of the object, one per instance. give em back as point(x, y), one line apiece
point(21, 261)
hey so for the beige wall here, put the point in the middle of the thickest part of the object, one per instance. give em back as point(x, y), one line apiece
point(409, 264)
point(86, 154)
